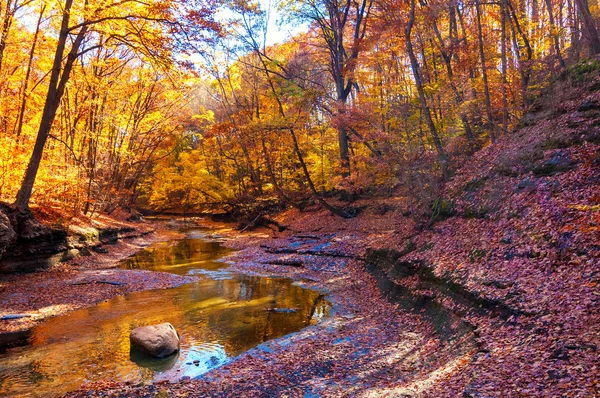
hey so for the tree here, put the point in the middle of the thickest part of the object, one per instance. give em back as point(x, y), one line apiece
point(589, 27)
point(414, 64)
point(95, 19)
point(343, 26)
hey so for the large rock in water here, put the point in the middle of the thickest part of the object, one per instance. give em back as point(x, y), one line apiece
point(158, 341)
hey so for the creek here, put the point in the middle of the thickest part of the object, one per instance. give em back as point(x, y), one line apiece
point(219, 316)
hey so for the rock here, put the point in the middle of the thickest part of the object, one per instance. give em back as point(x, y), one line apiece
point(158, 341)
point(471, 392)
point(26, 244)
point(15, 316)
point(510, 254)
point(100, 249)
point(559, 162)
point(70, 254)
point(588, 106)
point(561, 352)
point(554, 374)
point(136, 217)
point(7, 233)
point(507, 239)
point(526, 184)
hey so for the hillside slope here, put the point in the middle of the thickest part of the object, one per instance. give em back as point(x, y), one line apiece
point(526, 232)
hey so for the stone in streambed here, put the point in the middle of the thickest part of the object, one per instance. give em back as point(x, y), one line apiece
point(70, 255)
point(158, 341)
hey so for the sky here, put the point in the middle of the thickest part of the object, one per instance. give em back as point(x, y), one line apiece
point(278, 34)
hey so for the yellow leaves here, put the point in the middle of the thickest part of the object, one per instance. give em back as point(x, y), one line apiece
point(206, 116)
point(187, 183)
point(583, 207)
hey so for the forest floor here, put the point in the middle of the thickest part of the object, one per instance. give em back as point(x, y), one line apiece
point(85, 280)
point(514, 254)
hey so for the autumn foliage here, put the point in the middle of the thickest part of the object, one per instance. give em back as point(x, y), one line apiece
point(185, 105)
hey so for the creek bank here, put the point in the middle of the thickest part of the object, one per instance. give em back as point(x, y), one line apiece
point(425, 285)
point(84, 280)
point(28, 244)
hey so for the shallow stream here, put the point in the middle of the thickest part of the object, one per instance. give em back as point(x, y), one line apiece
point(218, 317)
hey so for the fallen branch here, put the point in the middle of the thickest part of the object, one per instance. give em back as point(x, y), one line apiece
point(262, 220)
point(15, 316)
point(309, 253)
point(314, 237)
point(289, 263)
point(282, 310)
point(101, 281)
point(252, 223)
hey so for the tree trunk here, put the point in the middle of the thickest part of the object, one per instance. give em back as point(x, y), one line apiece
point(21, 115)
point(503, 12)
point(423, 100)
point(458, 95)
point(554, 29)
point(589, 27)
point(523, 65)
point(9, 14)
point(575, 34)
point(56, 89)
point(486, 86)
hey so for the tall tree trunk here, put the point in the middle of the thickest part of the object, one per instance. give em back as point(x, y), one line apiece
point(523, 65)
point(422, 98)
point(486, 86)
point(503, 12)
point(589, 27)
point(19, 125)
point(458, 95)
point(9, 14)
point(574, 50)
point(342, 57)
point(555, 37)
point(56, 89)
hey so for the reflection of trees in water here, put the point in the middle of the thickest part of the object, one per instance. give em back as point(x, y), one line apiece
point(241, 315)
point(182, 253)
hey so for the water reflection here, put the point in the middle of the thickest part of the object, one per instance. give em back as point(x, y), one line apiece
point(218, 318)
point(186, 257)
